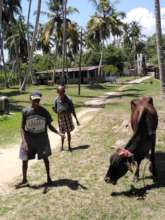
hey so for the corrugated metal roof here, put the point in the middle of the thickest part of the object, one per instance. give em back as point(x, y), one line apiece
point(74, 69)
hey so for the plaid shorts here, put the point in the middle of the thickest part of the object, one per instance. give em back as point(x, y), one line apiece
point(65, 122)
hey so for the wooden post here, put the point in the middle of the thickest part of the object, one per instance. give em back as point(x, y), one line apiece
point(80, 60)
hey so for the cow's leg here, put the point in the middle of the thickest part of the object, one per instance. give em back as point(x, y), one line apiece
point(136, 176)
point(152, 158)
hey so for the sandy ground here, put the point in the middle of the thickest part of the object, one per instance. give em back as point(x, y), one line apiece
point(10, 165)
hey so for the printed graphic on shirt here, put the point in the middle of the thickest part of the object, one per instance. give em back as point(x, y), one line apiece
point(35, 124)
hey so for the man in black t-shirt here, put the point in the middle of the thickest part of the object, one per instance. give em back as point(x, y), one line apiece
point(35, 120)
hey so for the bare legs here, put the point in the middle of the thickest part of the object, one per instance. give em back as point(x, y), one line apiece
point(69, 142)
point(25, 168)
point(24, 171)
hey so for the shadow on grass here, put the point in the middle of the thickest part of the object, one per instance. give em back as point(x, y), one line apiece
point(142, 192)
point(132, 90)
point(99, 86)
point(14, 107)
point(106, 99)
point(81, 147)
point(12, 92)
point(71, 184)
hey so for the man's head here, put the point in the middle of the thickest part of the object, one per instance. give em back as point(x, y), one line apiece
point(61, 90)
point(120, 163)
point(35, 98)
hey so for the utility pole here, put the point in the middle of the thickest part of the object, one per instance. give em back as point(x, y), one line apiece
point(64, 40)
point(80, 60)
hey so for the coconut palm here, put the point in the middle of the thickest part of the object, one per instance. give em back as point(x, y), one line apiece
point(132, 41)
point(43, 45)
point(16, 40)
point(105, 22)
point(32, 48)
point(1, 38)
point(58, 26)
point(54, 26)
point(159, 47)
point(9, 8)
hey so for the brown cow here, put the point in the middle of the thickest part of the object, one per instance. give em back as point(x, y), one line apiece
point(144, 121)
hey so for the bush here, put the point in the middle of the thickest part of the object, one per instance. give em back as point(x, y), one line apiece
point(110, 69)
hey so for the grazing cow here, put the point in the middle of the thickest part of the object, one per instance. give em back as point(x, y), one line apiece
point(144, 121)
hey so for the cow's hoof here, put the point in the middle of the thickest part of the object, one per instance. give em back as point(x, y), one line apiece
point(135, 179)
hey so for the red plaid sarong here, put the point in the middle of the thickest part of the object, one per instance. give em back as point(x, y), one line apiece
point(65, 122)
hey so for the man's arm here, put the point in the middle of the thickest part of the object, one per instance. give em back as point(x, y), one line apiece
point(22, 130)
point(53, 129)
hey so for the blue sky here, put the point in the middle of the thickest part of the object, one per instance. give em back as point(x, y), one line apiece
point(86, 9)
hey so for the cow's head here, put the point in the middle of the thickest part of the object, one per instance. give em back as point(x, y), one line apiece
point(120, 163)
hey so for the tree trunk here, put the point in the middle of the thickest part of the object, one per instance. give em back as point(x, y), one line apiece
point(2, 60)
point(101, 60)
point(32, 49)
point(159, 48)
point(101, 55)
point(1, 39)
point(80, 60)
point(28, 23)
point(64, 40)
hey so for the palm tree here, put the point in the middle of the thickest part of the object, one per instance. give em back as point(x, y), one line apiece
point(159, 47)
point(105, 22)
point(16, 41)
point(1, 41)
point(9, 8)
point(32, 48)
point(42, 43)
point(58, 26)
point(132, 41)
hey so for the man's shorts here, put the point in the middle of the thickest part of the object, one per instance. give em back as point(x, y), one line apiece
point(41, 151)
point(39, 145)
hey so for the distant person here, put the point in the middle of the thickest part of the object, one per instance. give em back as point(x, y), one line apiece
point(64, 108)
point(35, 120)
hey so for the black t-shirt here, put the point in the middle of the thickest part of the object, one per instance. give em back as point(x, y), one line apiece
point(34, 124)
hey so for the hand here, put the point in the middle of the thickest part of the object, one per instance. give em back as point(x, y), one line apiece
point(78, 123)
point(24, 145)
point(61, 134)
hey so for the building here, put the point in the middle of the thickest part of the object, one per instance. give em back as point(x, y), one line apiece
point(89, 74)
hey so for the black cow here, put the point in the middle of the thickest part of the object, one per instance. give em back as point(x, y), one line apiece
point(144, 121)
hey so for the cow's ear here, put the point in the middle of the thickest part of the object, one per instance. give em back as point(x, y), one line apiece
point(150, 100)
point(133, 104)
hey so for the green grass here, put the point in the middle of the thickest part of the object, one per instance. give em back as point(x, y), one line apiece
point(79, 191)
point(11, 124)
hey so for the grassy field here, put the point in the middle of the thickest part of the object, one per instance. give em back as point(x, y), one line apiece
point(79, 191)
point(11, 124)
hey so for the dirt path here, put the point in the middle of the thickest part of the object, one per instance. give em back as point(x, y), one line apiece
point(10, 165)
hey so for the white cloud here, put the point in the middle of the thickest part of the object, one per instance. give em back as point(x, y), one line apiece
point(146, 19)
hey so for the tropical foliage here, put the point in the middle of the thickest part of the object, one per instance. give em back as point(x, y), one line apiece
point(106, 39)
